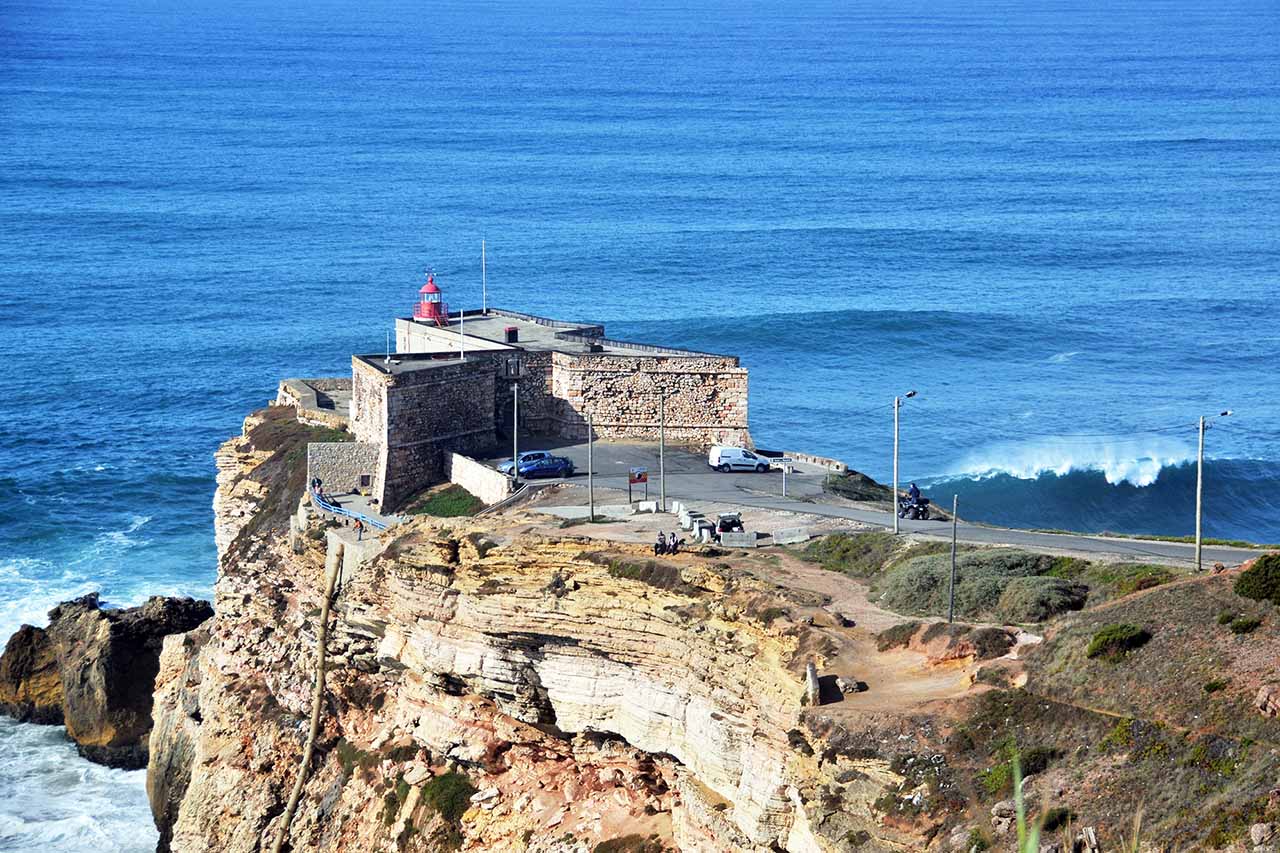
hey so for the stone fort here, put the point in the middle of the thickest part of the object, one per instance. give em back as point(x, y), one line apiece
point(459, 382)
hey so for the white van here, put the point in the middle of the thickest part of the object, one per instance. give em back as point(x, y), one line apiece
point(735, 459)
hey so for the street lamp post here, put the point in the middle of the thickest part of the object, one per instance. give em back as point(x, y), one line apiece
point(897, 404)
point(1204, 425)
point(662, 451)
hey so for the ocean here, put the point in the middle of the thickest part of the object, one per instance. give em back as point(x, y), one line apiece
point(1059, 223)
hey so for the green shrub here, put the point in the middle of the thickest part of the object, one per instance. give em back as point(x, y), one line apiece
point(1113, 642)
point(859, 555)
point(1036, 599)
point(1261, 581)
point(1245, 624)
point(1226, 617)
point(450, 502)
point(997, 780)
point(918, 586)
point(1215, 685)
point(449, 795)
point(898, 635)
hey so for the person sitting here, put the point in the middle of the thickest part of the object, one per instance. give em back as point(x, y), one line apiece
point(660, 547)
point(672, 544)
point(914, 493)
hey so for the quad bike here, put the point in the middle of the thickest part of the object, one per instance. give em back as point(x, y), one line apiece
point(917, 509)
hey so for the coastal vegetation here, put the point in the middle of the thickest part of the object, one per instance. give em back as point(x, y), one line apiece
point(1261, 581)
point(451, 501)
point(1002, 584)
point(1113, 642)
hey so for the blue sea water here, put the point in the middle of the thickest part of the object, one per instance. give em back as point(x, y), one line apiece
point(1059, 222)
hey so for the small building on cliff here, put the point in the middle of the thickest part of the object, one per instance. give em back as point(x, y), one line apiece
point(459, 382)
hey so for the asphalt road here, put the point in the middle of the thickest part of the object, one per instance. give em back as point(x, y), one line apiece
point(689, 479)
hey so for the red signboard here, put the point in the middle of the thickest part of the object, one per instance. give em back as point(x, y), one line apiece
point(639, 475)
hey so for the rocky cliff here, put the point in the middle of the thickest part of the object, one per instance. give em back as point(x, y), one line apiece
point(93, 669)
point(490, 689)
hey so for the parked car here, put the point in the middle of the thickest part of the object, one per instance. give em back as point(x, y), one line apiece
point(550, 466)
point(528, 456)
point(735, 459)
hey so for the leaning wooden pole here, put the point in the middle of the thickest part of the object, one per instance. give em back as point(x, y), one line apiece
point(317, 704)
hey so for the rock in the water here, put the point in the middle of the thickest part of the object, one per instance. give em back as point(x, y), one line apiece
point(94, 671)
point(30, 686)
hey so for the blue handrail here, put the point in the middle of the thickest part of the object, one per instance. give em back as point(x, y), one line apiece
point(337, 510)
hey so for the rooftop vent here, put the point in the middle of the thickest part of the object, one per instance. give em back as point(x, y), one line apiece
point(512, 333)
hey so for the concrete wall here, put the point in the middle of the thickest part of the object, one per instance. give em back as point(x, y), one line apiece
point(706, 397)
point(340, 464)
point(480, 480)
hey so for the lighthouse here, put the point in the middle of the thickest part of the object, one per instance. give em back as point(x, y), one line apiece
point(429, 308)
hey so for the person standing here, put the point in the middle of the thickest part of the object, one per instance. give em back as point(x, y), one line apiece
point(359, 530)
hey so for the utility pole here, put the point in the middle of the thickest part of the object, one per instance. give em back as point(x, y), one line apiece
point(951, 590)
point(1204, 425)
point(484, 282)
point(1199, 492)
point(591, 487)
point(662, 450)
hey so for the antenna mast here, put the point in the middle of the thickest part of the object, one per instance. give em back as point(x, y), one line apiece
point(484, 282)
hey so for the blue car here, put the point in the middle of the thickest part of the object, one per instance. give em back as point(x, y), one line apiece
point(525, 458)
point(547, 466)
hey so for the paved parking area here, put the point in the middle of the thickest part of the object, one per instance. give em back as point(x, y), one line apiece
point(688, 476)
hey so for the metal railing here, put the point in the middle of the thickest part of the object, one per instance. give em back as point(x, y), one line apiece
point(337, 510)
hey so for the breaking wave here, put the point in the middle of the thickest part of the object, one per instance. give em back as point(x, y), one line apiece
point(1242, 496)
point(1137, 461)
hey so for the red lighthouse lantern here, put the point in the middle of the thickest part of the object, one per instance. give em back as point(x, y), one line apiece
point(429, 306)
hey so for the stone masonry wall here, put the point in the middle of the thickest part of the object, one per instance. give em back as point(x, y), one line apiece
point(368, 402)
point(448, 407)
point(340, 464)
point(539, 410)
point(478, 479)
point(706, 397)
point(301, 394)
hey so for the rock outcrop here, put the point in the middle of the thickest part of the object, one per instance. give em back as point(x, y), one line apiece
point(94, 671)
point(30, 684)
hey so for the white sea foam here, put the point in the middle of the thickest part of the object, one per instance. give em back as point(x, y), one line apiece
point(1062, 357)
point(1137, 461)
point(57, 802)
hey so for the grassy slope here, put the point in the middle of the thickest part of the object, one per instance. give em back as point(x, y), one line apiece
point(1138, 733)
